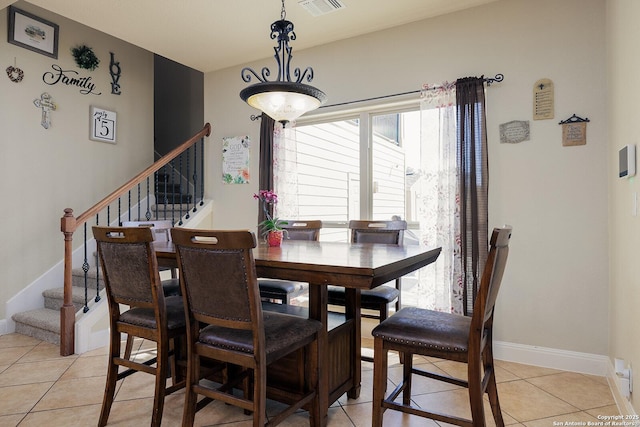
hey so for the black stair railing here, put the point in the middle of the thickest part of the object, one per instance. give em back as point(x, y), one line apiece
point(136, 193)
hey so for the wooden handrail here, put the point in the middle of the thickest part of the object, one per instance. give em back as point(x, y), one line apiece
point(69, 224)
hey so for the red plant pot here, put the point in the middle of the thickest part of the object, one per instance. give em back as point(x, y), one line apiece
point(274, 238)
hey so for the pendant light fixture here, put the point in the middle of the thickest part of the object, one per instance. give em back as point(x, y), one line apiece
point(283, 99)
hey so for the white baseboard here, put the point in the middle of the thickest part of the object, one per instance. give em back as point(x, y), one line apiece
point(3, 327)
point(573, 361)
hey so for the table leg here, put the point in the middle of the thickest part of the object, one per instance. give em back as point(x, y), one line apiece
point(353, 311)
point(318, 301)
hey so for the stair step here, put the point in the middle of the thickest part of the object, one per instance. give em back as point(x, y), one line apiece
point(77, 278)
point(43, 324)
point(54, 298)
point(171, 198)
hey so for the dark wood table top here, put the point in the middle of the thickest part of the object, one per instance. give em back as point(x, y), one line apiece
point(352, 265)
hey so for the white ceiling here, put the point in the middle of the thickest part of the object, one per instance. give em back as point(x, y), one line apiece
point(213, 34)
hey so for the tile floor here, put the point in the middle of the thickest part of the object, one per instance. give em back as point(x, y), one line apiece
point(38, 387)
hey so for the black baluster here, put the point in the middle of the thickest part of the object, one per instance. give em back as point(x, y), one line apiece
point(195, 176)
point(147, 214)
point(201, 171)
point(97, 298)
point(188, 154)
point(165, 199)
point(85, 268)
point(139, 216)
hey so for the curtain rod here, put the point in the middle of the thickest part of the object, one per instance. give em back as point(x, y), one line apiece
point(488, 80)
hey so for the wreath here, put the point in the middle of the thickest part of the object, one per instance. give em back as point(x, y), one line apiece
point(85, 58)
point(15, 74)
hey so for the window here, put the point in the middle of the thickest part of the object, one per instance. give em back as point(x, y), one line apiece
point(356, 167)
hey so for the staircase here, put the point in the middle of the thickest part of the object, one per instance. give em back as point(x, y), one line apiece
point(56, 322)
point(44, 323)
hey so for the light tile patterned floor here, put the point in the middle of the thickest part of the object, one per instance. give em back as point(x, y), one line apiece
point(38, 387)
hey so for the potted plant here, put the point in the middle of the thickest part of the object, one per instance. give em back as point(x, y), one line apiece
point(271, 226)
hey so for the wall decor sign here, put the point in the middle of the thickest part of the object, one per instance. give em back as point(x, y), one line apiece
point(574, 131)
point(115, 70)
point(46, 104)
point(33, 33)
point(514, 132)
point(235, 160)
point(69, 78)
point(543, 100)
point(103, 125)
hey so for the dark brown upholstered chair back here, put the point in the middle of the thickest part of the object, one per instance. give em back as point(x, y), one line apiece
point(219, 269)
point(131, 278)
point(389, 232)
point(130, 267)
point(491, 280)
point(302, 229)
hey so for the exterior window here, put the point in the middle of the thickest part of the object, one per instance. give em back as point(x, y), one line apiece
point(359, 167)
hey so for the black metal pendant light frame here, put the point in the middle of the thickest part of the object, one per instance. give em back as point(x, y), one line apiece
point(284, 85)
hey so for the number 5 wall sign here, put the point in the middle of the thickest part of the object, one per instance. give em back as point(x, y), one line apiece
point(103, 125)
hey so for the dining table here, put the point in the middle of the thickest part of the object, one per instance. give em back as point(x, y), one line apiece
point(356, 266)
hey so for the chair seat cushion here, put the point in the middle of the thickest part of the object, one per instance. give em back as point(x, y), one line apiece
point(426, 329)
point(283, 334)
point(280, 286)
point(369, 298)
point(146, 318)
point(171, 287)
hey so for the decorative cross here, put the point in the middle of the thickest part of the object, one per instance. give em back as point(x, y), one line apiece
point(46, 104)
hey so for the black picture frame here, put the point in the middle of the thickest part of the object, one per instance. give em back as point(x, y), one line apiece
point(32, 32)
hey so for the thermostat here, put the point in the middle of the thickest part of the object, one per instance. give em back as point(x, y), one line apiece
point(627, 161)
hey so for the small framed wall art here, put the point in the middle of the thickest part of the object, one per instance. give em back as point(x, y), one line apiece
point(33, 33)
point(103, 125)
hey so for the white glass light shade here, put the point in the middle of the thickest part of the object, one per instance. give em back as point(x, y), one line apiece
point(283, 101)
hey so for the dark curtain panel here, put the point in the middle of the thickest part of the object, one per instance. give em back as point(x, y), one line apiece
point(266, 160)
point(473, 183)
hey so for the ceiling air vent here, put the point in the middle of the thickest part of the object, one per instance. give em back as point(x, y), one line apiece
point(321, 7)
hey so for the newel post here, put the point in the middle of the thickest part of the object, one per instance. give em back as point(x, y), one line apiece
point(67, 311)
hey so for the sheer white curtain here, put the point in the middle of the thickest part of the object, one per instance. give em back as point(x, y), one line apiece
point(441, 286)
point(285, 171)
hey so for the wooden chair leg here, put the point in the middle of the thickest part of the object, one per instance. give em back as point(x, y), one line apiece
point(259, 397)
point(160, 385)
point(476, 393)
point(112, 378)
point(492, 388)
point(407, 367)
point(128, 348)
point(190, 396)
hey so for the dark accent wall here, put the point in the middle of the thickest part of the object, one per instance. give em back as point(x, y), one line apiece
point(178, 103)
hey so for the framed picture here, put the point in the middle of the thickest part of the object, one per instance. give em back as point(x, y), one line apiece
point(103, 125)
point(33, 33)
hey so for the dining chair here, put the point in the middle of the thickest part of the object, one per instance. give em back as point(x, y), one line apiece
point(131, 278)
point(225, 323)
point(378, 298)
point(285, 290)
point(447, 336)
